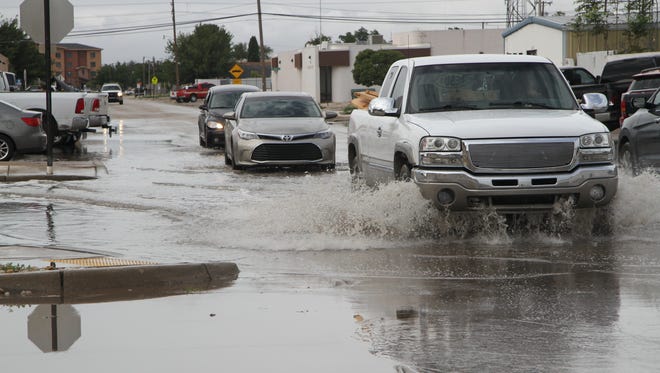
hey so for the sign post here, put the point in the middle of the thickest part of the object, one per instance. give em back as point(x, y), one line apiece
point(36, 20)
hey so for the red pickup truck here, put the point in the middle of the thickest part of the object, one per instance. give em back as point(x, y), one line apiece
point(191, 93)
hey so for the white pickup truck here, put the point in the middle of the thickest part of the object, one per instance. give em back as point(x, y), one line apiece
point(73, 112)
point(485, 131)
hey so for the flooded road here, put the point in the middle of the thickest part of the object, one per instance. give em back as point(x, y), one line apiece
point(399, 282)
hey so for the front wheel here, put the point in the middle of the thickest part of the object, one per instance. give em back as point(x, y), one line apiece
point(404, 173)
point(7, 149)
point(354, 169)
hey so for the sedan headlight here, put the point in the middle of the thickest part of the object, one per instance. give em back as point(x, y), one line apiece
point(440, 144)
point(323, 134)
point(247, 135)
point(215, 125)
point(595, 140)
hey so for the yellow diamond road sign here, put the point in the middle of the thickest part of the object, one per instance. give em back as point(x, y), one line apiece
point(236, 71)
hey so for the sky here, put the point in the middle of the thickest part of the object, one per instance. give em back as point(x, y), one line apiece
point(134, 30)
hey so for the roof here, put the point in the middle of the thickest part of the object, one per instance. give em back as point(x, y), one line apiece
point(278, 94)
point(77, 46)
point(234, 87)
point(556, 22)
point(474, 58)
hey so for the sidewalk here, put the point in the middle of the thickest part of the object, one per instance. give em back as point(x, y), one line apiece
point(62, 170)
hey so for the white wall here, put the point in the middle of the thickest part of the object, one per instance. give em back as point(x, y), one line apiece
point(548, 42)
point(287, 78)
point(444, 42)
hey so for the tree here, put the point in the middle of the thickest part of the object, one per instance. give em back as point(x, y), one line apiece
point(360, 34)
point(204, 53)
point(371, 66)
point(22, 52)
point(253, 52)
point(591, 15)
point(240, 51)
point(318, 39)
point(639, 15)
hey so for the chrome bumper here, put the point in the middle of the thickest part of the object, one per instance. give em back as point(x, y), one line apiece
point(536, 191)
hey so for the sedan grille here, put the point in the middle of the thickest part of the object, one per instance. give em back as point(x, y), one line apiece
point(521, 154)
point(286, 152)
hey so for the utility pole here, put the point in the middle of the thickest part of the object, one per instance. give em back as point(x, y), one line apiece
point(176, 57)
point(261, 42)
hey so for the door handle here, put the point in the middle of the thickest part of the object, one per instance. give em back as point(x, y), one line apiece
point(379, 132)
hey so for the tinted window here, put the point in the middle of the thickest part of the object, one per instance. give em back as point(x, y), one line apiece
point(399, 87)
point(225, 100)
point(625, 69)
point(649, 83)
point(389, 80)
point(488, 86)
point(279, 107)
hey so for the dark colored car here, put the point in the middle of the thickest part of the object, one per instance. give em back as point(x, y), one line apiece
point(641, 88)
point(218, 101)
point(639, 139)
point(20, 131)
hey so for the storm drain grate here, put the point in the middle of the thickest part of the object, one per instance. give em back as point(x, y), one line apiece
point(101, 262)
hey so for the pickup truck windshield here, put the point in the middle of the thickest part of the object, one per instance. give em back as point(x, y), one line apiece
point(488, 86)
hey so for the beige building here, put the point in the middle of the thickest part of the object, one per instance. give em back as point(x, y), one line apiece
point(326, 71)
point(4, 63)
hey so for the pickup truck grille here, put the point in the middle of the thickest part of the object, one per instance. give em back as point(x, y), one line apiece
point(286, 152)
point(521, 155)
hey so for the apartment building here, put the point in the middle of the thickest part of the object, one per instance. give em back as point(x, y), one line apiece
point(76, 63)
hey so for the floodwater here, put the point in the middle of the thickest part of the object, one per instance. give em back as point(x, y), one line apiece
point(395, 282)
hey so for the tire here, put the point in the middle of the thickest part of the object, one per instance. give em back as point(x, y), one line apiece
point(227, 159)
point(354, 169)
point(121, 102)
point(627, 159)
point(193, 98)
point(203, 142)
point(7, 148)
point(328, 167)
point(404, 173)
point(234, 166)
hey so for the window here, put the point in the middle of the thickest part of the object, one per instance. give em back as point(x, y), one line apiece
point(92, 54)
point(389, 80)
point(58, 55)
point(399, 86)
point(92, 64)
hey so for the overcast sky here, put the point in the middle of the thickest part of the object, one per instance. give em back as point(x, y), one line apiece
point(287, 24)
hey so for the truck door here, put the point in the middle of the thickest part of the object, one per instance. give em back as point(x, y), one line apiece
point(648, 136)
point(383, 143)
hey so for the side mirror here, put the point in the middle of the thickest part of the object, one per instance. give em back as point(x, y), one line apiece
point(594, 103)
point(330, 114)
point(383, 106)
point(230, 115)
point(203, 107)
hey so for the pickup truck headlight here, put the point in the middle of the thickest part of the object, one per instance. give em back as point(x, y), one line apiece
point(247, 135)
point(215, 125)
point(596, 148)
point(440, 144)
point(441, 152)
point(595, 140)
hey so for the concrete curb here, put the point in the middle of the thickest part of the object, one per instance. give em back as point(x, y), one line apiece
point(88, 285)
point(62, 171)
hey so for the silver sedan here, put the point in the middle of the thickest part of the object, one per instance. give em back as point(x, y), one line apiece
point(278, 129)
point(20, 131)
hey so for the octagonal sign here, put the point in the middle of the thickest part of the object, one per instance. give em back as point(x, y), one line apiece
point(54, 327)
point(32, 19)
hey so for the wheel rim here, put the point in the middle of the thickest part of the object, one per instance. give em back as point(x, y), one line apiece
point(4, 149)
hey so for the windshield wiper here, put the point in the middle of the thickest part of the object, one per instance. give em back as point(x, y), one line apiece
point(448, 107)
point(523, 104)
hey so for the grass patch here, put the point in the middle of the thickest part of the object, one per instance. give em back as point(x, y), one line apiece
point(14, 268)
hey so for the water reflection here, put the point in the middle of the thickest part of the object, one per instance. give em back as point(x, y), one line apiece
point(499, 313)
point(54, 327)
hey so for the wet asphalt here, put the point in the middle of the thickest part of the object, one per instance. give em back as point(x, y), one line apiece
point(331, 279)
